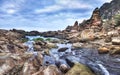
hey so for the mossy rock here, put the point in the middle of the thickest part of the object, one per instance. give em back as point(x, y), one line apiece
point(79, 69)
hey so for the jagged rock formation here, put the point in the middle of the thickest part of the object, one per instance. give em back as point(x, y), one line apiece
point(75, 27)
point(94, 22)
point(108, 10)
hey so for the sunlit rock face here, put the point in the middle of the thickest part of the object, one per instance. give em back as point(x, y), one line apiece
point(108, 10)
point(95, 20)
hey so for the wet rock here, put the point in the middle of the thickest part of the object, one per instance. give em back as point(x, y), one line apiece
point(41, 43)
point(77, 45)
point(37, 47)
point(116, 41)
point(46, 51)
point(64, 68)
point(51, 45)
point(63, 49)
point(79, 69)
point(102, 50)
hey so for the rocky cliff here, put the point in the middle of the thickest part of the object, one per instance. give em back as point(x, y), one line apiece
point(108, 10)
point(94, 22)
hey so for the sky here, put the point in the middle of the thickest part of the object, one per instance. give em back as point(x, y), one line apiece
point(45, 15)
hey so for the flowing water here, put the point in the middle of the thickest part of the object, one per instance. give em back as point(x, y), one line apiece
point(101, 64)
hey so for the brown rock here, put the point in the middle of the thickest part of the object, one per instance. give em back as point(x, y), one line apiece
point(37, 47)
point(115, 50)
point(102, 50)
point(116, 41)
point(64, 68)
point(87, 35)
point(51, 70)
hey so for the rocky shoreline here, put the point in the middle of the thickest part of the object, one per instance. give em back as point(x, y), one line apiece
point(94, 42)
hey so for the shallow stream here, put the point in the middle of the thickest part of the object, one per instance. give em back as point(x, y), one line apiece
point(101, 64)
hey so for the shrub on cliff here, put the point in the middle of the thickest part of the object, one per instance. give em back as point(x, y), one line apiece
point(117, 19)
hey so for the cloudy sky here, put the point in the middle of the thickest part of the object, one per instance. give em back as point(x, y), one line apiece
point(45, 15)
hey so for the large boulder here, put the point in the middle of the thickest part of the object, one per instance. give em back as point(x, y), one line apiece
point(11, 64)
point(63, 49)
point(79, 69)
point(87, 35)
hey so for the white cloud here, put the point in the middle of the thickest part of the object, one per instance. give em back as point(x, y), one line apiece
point(49, 9)
point(64, 4)
point(8, 8)
point(10, 11)
point(103, 1)
point(73, 4)
point(12, 6)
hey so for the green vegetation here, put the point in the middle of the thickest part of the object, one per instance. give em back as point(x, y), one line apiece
point(24, 40)
point(117, 19)
point(38, 39)
point(42, 39)
point(48, 39)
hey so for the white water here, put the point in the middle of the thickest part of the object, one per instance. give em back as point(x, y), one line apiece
point(104, 69)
